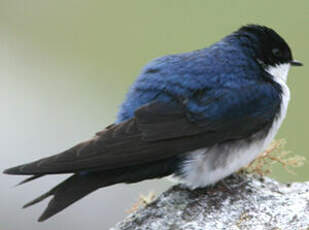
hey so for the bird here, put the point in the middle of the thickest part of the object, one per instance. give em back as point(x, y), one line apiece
point(199, 116)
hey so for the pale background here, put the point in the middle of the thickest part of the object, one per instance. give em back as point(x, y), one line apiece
point(65, 67)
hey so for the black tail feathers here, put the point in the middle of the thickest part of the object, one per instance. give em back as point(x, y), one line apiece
point(79, 185)
point(66, 193)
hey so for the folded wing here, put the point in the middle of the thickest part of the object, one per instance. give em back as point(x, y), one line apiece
point(160, 130)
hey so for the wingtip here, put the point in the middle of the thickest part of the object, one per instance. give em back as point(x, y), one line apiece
point(6, 171)
point(12, 171)
point(18, 170)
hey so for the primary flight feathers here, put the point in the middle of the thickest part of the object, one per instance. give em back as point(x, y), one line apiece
point(144, 138)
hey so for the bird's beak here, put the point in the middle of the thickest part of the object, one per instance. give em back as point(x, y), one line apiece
point(296, 63)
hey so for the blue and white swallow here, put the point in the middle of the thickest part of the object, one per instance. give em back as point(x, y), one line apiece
point(199, 116)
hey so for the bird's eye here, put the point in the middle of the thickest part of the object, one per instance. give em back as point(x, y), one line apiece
point(276, 52)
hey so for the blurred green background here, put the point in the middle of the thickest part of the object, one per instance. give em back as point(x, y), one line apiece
point(65, 67)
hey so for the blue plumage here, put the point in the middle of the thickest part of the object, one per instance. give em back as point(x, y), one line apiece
point(219, 73)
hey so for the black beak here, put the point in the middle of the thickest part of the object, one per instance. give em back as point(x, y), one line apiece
point(296, 63)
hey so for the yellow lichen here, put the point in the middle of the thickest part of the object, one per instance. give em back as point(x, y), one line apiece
point(273, 155)
point(142, 202)
point(245, 216)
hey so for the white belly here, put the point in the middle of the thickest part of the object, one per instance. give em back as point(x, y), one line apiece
point(209, 165)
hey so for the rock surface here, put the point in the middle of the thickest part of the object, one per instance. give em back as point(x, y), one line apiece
point(239, 203)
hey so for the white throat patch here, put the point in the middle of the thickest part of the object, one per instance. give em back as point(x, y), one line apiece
point(279, 72)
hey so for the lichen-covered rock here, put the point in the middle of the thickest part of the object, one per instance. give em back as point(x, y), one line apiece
point(239, 203)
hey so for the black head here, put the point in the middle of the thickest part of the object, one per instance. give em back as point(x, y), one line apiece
point(268, 47)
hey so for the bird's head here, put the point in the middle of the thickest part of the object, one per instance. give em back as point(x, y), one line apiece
point(268, 48)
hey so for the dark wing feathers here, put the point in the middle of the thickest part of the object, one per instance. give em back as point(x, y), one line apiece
point(160, 122)
point(158, 131)
point(119, 146)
